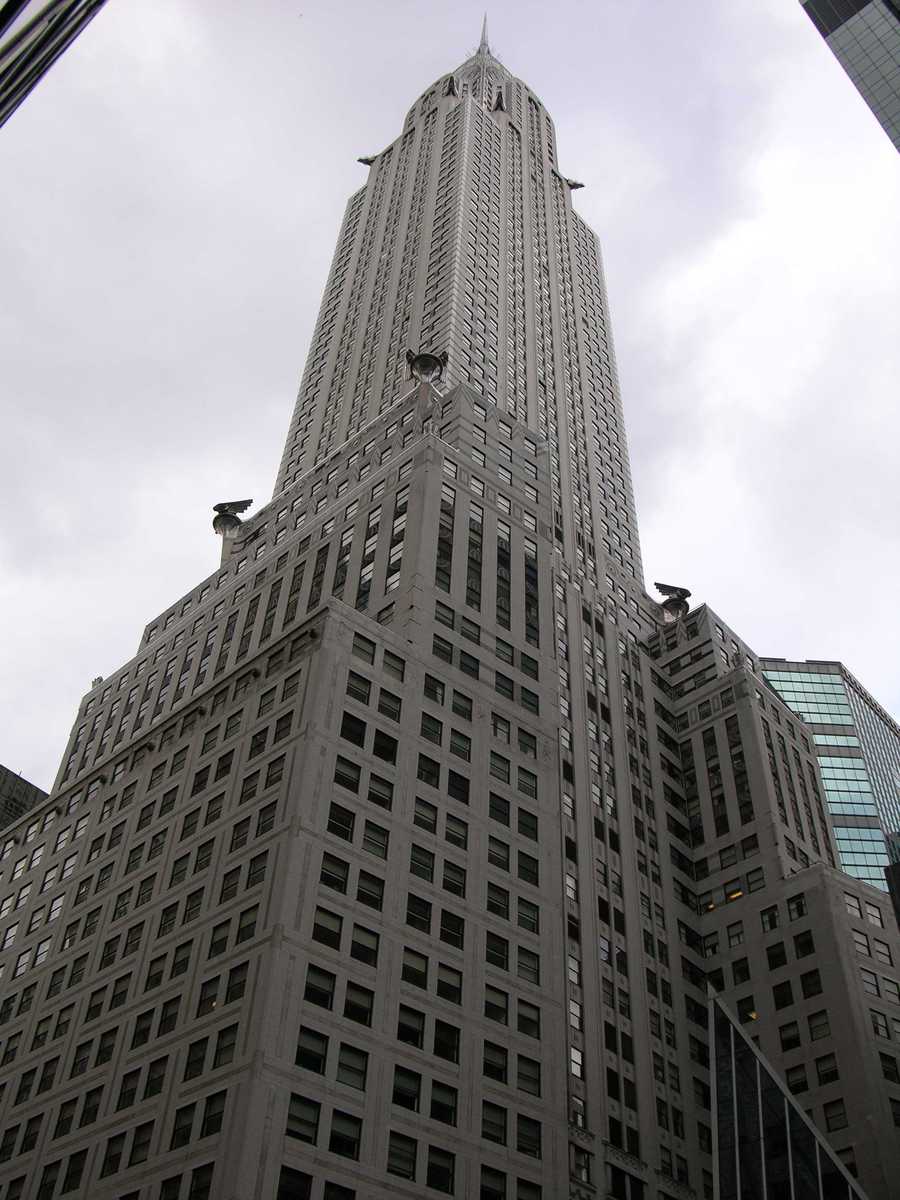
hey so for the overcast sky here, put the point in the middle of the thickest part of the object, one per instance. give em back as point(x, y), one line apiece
point(172, 193)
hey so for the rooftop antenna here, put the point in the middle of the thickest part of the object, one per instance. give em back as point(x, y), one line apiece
point(484, 48)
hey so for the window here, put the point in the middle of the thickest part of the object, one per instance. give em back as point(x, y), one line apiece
point(375, 839)
point(493, 1184)
point(529, 1075)
point(528, 916)
point(347, 774)
point(384, 746)
point(819, 1025)
point(312, 1049)
point(364, 945)
point(303, 1119)
point(869, 982)
point(140, 1143)
point(353, 1065)
point(796, 906)
point(411, 1027)
point(415, 968)
point(327, 928)
point(429, 771)
point(453, 929)
point(528, 868)
point(358, 687)
point(789, 1035)
point(835, 1115)
point(882, 951)
point(493, 1123)
point(454, 879)
point(370, 890)
point(381, 792)
point(340, 822)
point(401, 1159)
point(769, 919)
point(528, 1136)
point(431, 729)
point(782, 994)
point(183, 1126)
point(446, 1041)
point(358, 1004)
point(529, 1019)
point(389, 705)
point(407, 1089)
point(811, 984)
point(456, 832)
point(443, 1103)
point(393, 666)
point(335, 873)
point(346, 1132)
point(827, 1069)
point(449, 983)
point(776, 955)
point(879, 1024)
point(319, 986)
point(112, 1158)
point(854, 908)
point(498, 900)
point(795, 1078)
point(363, 648)
point(496, 1005)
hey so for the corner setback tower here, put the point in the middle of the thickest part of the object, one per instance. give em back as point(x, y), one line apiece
point(464, 239)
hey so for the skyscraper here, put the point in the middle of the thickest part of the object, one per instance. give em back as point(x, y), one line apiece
point(864, 36)
point(858, 745)
point(399, 858)
point(34, 34)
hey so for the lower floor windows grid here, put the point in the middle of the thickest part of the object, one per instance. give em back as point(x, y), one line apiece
point(297, 1185)
point(403, 1157)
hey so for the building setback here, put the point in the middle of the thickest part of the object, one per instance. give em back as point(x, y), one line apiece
point(399, 859)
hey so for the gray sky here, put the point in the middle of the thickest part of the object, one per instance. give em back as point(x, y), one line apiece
point(172, 193)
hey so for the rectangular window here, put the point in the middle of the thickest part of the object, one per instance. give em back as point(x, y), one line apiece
point(303, 1119)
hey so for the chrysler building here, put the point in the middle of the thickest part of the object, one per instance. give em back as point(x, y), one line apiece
point(419, 851)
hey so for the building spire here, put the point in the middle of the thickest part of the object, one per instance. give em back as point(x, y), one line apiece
point(483, 47)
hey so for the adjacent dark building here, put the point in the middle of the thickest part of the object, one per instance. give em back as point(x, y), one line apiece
point(864, 36)
point(766, 1145)
point(17, 796)
point(858, 745)
point(33, 34)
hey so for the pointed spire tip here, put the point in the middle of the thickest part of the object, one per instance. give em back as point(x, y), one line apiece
point(484, 48)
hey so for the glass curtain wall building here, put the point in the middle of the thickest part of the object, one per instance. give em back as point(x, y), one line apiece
point(864, 36)
point(766, 1147)
point(858, 745)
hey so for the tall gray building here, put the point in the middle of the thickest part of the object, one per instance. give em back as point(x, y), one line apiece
point(858, 745)
point(398, 860)
point(864, 36)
